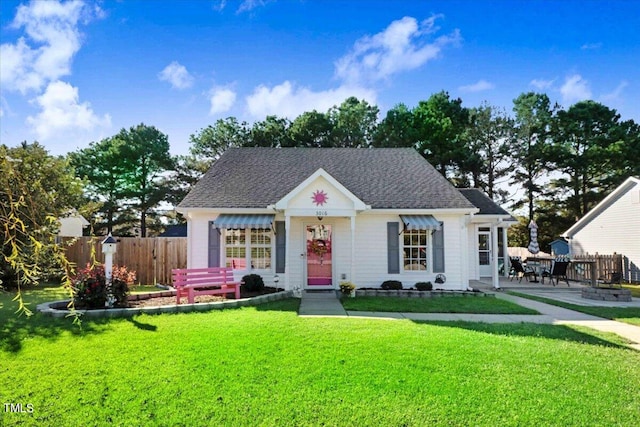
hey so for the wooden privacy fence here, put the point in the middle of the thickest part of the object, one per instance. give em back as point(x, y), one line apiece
point(605, 266)
point(152, 258)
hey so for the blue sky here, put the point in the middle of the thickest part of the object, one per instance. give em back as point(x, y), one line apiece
point(76, 72)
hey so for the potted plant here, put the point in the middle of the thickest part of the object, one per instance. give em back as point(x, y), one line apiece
point(348, 289)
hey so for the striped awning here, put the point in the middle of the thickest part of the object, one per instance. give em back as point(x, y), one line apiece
point(239, 221)
point(420, 222)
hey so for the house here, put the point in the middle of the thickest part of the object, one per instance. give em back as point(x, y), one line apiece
point(72, 225)
point(613, 225)
point(174, 230)
point(316, 216)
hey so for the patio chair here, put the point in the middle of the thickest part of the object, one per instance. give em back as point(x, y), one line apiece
point(558, 270)
point(614, 279)
point(520, 271)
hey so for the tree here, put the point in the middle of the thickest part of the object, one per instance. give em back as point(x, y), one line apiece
point(529, 148)
point(440, 123)
point(209, 143)
point(144, 152)
point(35, 190)
point(311, 129)
point(396, 129)
point(487, 135)
point(354, 123)
point(588, 143)
point(271, 132)
point(187, 171)
point(101, 166)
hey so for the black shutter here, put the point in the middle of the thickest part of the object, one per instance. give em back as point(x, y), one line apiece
point(393, 248)
point(214, 246)
point(438, 250)
point(281, 246)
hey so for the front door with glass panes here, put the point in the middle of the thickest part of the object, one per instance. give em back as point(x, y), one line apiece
point(319, 256)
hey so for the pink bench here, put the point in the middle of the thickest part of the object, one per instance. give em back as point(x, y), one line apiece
point(204, 281)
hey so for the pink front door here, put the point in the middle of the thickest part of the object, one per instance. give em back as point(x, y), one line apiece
point(319, 259)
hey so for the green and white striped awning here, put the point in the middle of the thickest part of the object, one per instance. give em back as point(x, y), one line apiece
point(240, 221)
point(420, 222)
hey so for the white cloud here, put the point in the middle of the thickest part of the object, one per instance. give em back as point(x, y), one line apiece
point(575, 89)
point(51, 40)
point(479, 86)
point(289, 100)
point(222, 99)
point(541, 84)
point(404, 45)
point(62, 113)
point(616, 94)
point(591, 46)
point(177, 75)
point(219, 5)
point(249, 5)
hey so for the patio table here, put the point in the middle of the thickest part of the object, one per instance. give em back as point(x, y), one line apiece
point(538, 264)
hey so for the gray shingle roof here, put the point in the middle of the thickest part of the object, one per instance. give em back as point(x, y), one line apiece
point(385, 178)
point(482, 202)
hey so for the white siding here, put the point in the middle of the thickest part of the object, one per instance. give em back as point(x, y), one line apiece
point(370, 268)
point(198, 240)
point(370, 264)
point(616, 229)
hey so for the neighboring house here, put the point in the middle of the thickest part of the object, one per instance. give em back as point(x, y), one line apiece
point(72, 225)
point(174, 230)
point(318, 216)
point(613, 225)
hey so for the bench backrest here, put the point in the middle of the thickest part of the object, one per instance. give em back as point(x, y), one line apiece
point(202, 276)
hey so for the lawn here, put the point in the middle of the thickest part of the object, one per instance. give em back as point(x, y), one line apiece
point(266, 366)
point(635, 290)
point(480, 305)
point(629, 315)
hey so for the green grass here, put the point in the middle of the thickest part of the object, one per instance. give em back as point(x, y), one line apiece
point(629, 315)
point(635, 290)
point(144, 289)
point(479, 305)
point(267, 366)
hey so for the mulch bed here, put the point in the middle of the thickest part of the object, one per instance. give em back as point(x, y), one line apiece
point(160, 301)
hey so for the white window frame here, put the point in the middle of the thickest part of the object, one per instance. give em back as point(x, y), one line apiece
point(248, 247)
point(427, 250)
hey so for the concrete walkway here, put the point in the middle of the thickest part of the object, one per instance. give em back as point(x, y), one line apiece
point(321, 303)
point(326, 304)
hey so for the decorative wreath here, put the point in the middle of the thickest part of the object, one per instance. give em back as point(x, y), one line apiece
point(318, 247)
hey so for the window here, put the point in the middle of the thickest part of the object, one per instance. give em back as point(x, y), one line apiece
point(235, 249)
point(260, 249)
point(252, 253)
point(415, 250)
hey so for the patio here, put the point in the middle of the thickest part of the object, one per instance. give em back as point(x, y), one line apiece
point(561, 292)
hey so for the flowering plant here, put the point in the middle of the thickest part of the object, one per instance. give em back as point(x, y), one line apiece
point(91, 290)
point(347, 287)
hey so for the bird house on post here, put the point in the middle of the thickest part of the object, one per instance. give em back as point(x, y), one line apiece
point(108, 249)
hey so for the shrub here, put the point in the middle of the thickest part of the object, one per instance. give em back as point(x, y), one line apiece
point(347, 287)
point(391, 284)
point(90, 288)
point(253, 283)
point(424, 286)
